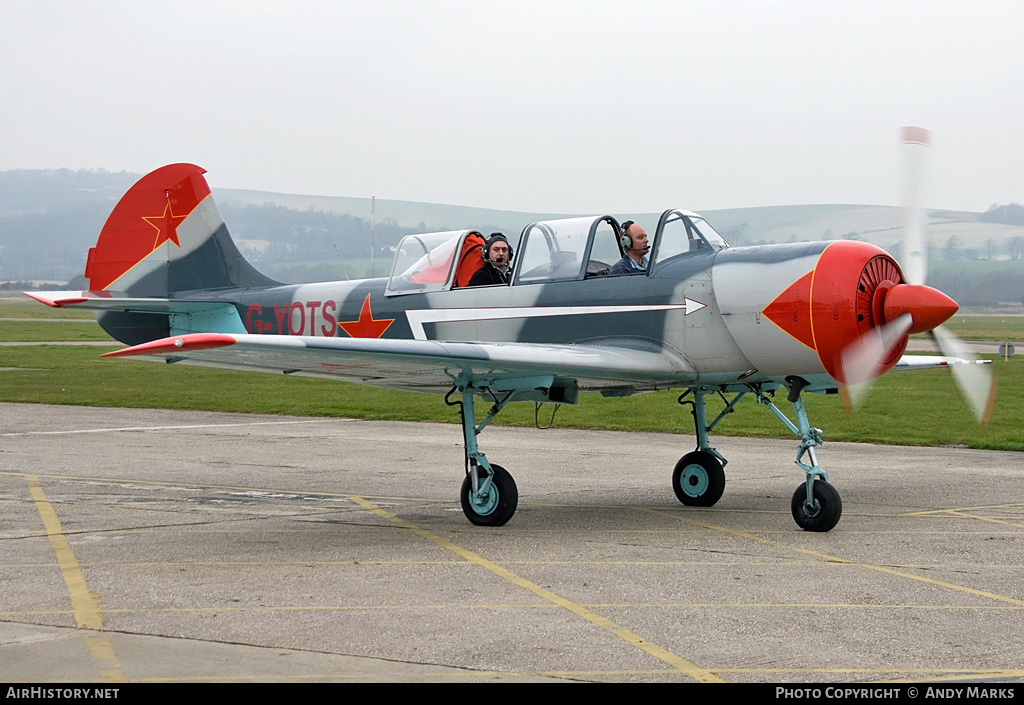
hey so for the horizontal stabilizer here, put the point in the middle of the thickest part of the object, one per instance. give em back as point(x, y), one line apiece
point(58, 299)
point(111, 301)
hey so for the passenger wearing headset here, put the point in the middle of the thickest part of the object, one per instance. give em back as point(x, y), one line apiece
point(633, 239)
point(497, 256)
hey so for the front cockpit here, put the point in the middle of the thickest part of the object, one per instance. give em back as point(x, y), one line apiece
point(681, 233)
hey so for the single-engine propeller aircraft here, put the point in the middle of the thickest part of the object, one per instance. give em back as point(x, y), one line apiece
point(166, 279)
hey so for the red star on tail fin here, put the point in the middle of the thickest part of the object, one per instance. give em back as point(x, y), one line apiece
point(166, 225)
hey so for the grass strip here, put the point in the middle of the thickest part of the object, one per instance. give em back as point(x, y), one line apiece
point(906, 408)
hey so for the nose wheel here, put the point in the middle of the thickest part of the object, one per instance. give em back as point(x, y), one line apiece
point(819, 513)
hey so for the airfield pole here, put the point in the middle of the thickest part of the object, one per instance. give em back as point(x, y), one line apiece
point(373, 231)
point(916, 145)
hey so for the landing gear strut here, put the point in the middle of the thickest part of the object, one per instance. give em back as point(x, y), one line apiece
point(489, 494)
point(816, 505)
point(699, 477)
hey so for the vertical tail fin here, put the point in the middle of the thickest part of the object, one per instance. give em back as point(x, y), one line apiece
point(166, 236)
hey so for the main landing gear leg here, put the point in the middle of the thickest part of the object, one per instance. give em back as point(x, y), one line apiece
point(699, 477)
point(816, 504)
point(489, 494)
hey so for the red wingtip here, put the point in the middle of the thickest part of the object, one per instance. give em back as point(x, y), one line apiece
point(60, 299)
point(177, 344)
point(55, 303)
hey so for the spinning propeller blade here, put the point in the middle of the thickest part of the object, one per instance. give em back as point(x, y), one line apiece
point(975, 381)
point(913, 307)
point(916, 143)
point(864, 359)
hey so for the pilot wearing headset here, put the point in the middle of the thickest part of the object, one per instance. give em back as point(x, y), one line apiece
point(497, 256)
point(633, 239)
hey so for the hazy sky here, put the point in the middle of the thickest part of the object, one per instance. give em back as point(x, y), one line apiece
point(596, 106)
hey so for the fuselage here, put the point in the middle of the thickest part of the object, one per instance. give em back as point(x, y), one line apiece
point(706, 309)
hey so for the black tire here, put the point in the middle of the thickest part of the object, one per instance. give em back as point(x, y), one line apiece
point(828, 507)
point(699, 479)
point(498, 506)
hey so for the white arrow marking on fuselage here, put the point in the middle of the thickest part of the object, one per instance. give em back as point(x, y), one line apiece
point(447, 315)
point(691, 306)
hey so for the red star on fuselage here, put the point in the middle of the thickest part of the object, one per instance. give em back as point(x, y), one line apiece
point(166, 226)
point(367, 326)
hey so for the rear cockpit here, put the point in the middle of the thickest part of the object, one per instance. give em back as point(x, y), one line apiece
point(435, 261)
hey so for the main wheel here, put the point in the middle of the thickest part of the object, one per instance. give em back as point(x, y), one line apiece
point(495, 506)
point(698, 479)
point(825, 512)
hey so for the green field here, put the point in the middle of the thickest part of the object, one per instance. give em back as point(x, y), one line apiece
point(999, 328)
point(915, 408)
point(24, 307)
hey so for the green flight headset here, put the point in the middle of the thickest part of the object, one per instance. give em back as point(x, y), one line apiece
point(625, 241)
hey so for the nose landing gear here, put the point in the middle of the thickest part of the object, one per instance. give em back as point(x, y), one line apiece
point(699, 477)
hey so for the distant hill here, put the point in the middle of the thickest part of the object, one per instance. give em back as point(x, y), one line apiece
point(38, 190)
point(50, 218)
point(880, 225)
point(407, 214)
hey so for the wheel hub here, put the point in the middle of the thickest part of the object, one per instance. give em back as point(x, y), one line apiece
point(484, 502)
point(811, 509)
point(694, 480)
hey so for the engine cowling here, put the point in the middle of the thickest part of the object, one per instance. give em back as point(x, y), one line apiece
point(794, 309)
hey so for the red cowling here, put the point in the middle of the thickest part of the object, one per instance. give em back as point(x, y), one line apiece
point(853, 290)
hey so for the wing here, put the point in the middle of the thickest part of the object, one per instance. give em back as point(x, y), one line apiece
point(426, 365)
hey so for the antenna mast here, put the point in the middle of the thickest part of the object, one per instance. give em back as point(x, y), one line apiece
point(373, 232)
